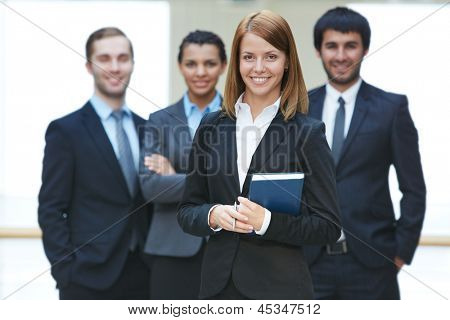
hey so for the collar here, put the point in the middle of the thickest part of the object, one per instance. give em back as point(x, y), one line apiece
point(273, 108)
point(189, 106)
point(348, 95)
point(104, 110)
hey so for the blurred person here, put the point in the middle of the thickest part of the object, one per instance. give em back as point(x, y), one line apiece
point(90, 205)
point(176, 256)
point(368, 130)
point(264, 94)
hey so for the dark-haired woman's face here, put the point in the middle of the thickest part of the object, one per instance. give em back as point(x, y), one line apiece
point(262, 67)
point(201, 68)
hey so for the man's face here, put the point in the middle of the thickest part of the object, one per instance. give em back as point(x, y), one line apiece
point(111, 66)
point(342, 55)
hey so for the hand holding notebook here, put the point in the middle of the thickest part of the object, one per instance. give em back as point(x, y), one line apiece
point(278, 192)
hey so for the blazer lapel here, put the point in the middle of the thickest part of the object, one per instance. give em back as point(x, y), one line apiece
point(180, 128)
point(99, 136)
point(359, 113)
point(274, 136)
point(316, 100)
point(229, 150)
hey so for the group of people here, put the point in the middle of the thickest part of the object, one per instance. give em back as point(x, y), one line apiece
point(159, 209)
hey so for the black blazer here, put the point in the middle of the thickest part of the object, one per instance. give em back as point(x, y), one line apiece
point(381, 134)
point(84, 202)
point(271, 266)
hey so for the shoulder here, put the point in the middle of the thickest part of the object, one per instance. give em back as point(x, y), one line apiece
point(69, 122)
point(312, 93)
point(388, 99)
point(213, 117)
point(212, 123)
point(172, 111)
point(304, 121)
point(137, 118)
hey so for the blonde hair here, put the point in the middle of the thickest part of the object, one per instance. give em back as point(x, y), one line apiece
point(276, 31)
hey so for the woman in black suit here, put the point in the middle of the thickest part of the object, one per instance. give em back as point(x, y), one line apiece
point(262, 128)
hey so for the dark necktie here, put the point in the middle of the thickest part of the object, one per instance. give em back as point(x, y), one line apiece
point(125, 155)
point(129, 170)
point(338, 134)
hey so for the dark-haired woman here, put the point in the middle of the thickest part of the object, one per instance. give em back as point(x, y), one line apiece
point(176, 256)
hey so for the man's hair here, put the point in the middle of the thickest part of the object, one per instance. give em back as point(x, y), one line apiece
point(203, 37)
point(101, 34)
point(344, 20)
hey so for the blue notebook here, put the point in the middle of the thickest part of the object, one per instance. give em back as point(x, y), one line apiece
point(278, 192)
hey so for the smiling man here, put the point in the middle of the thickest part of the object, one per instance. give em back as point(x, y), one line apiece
point(90, 205)
point(368, 130)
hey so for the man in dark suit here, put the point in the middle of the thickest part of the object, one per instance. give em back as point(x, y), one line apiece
point(368, 130)
point(91, 210)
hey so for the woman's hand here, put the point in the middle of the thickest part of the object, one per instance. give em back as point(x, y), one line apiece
point(252, 211)
point(160, 164)
point(229, 219)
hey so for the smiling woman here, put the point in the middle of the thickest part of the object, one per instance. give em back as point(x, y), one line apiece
point(253, 252)
point(176, 256)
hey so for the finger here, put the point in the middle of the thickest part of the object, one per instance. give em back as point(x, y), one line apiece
point(249, 204)
point(234, 214)
point(153, 167)
point(225, 221)
point(155, 157)
point(243, 226)
point(238, 230)
point(243, 209)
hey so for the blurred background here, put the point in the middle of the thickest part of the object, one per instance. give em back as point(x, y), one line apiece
point(42, 77)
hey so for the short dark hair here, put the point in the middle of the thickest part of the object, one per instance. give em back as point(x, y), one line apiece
point(203, 37)
point(344, 20)
point(104, 33)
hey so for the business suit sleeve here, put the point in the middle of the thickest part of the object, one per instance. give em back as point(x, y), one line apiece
point(194, 207)
point(406, 159)
point(319, 222)
point(155, 187)
point(54, 201)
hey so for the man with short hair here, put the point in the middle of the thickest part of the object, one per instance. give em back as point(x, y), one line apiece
point(368, 130)
point(91, 210)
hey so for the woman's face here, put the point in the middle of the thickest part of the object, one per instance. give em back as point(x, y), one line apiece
point(201, 68)
point(262, 67)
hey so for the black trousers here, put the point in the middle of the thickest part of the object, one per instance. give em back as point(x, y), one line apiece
point(343, 277)
point(230, 292)
point(175, 278)
point(132, 284)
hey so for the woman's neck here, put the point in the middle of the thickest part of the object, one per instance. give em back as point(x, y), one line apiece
point(202, 101)
point(258, 103)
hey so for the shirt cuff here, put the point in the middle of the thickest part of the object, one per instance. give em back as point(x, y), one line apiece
point(265, 224)
point(209, 213)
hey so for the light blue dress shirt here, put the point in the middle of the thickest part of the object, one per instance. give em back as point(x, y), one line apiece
point(194, 115)
point(109, 124)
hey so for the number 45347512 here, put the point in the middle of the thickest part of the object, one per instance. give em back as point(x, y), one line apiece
point(291, 308)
